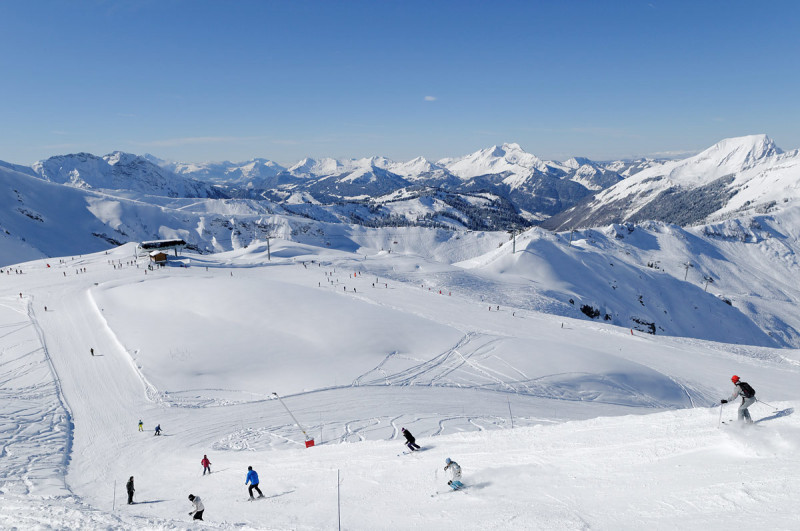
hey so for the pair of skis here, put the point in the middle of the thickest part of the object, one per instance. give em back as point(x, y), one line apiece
point(458, 488)
point(406, 452)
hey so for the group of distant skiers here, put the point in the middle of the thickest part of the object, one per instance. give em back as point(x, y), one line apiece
point(251, 479)
point(741, 389)
point(197, 511)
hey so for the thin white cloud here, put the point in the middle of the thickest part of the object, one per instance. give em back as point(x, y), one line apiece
point(194, 140)
point(604, 131)
point(430, 98)
point(676, 154)
point(286, 142)
point(66, 146)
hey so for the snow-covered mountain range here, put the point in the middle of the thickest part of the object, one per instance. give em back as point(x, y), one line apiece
point(120, 172)
point(734, 177)
point(81, 203)
point(499, 188)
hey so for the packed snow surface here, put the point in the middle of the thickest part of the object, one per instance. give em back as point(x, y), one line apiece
point(557, 423)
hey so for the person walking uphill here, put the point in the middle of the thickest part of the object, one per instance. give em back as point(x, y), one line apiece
point(748, 395)
point(131, 490)
point(197, 512)
point(411, 442)
point(252, 478)
point(206, 464)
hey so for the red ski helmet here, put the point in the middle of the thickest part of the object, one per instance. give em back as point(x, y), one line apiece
point(735, 379)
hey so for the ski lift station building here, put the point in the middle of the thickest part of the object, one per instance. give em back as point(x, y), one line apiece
point(158, 257)
point(160, 245)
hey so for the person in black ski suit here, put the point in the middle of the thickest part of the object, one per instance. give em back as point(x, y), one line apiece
point(129, 487)
point(411, 442)
point(742, 389)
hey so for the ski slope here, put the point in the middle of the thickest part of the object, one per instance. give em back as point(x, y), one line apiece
point(557, 423)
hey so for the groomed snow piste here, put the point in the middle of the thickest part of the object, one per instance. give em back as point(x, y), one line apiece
point(557, 423)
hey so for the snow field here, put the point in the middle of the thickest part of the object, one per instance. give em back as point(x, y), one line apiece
point(583, 453)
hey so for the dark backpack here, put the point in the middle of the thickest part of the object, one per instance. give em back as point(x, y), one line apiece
point(747, 389)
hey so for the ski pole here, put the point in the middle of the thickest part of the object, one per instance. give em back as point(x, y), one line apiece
point(773, 407)
point(719, 422)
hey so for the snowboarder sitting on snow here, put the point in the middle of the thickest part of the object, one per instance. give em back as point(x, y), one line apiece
point(455, 474)
point(197, 512)
point(130, 489)
point(411, 442)
point(748, 395)
point(158, 429)
point(252, 478)
point(206, 464)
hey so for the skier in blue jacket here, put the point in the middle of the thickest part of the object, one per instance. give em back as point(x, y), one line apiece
point(252, 478)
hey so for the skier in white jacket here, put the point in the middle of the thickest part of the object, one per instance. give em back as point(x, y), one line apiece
point(197, 512)
point(455, 474)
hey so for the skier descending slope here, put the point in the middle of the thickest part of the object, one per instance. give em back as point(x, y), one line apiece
point(197, 512)
point(748, 395)
point(411, 442)
point(252, 478)
point(455, 474)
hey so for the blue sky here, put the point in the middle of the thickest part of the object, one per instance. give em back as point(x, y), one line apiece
point(198, 80)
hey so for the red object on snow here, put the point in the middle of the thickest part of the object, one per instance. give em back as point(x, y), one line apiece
point(309, 443)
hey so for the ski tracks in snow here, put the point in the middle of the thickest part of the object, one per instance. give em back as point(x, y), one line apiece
point(35, 424)
point(460, 366)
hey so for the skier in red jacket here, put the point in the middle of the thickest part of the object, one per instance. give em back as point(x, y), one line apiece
point(206, 464)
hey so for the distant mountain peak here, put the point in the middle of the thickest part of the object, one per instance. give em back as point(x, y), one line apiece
point(121, 157)
point(509, 157)
point(743, 150)
point(576, 162)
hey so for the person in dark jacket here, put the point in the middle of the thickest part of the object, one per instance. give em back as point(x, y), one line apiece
point(252, 478)
point(197, 512)
point(158, 430)
point(131, 490)
point(411, 442)
point(742, 389)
